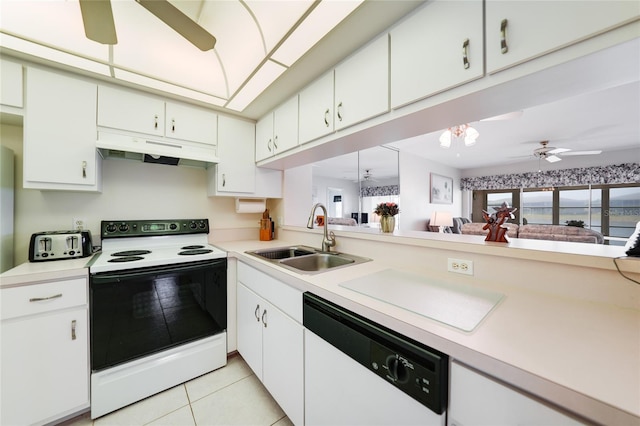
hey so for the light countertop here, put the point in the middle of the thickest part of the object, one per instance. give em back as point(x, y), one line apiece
point(581, 355)
point(33, 272)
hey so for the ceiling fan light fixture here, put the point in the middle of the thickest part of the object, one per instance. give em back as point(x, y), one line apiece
point(552, 158)
point(445, 139)
point(471, 135)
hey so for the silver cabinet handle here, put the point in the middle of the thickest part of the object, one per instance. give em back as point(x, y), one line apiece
point(256, 313)
point(275, 142)
point(340, 111)
point(155, 122)
point(173, 125)
point(264, 318)
point(73, 330)
point(40, 299)
point(269, 145)
point(224, 179)
point(84, 169)
point(326, 118)
point(503, 36)
point(465, 53)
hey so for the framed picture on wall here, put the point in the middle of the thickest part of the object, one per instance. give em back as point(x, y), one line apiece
point(441, 189)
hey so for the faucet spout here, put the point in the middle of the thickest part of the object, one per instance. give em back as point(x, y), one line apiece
point(329, 238)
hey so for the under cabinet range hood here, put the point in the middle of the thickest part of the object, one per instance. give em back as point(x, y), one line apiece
point(156, 150)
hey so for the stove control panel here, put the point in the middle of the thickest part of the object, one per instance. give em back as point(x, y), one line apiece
point(146, 228)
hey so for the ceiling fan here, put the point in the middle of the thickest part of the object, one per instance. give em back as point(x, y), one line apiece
point(99, 26)
point(553, 154)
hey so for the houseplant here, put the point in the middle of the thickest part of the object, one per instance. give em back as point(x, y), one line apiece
point(387, 211)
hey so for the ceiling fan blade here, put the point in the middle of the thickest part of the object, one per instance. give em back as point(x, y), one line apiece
point(552, 158)
point(97, 18)
point(181, 23)
point(582, 153)
point(558, 150)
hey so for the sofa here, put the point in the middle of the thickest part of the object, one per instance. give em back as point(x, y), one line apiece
point(541, 232)
point(455, 229)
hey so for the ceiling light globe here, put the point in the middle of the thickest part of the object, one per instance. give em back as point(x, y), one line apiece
point(445, 139)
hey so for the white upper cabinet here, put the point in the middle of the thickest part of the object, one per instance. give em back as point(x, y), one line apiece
point(121, 109)
point(60, 133)
point(362, 84)
point(236, 171)
point(517, 31)
point(316, 109)
point(189, 123)
point(11, 84)
point(125, 110)
point(277, 131)
point(438, 47)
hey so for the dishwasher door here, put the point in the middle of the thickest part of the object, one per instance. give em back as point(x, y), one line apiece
point(352, 381)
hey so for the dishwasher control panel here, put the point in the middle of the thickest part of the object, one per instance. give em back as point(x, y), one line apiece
point(417, 378)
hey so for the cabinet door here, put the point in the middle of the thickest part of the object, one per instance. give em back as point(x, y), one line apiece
point(124, 110)
point(362, 84)
point(59, 132)
point(316, 109)
point(476, 399)
point(264, 137)
point(283, 367)
point(437, 48)
point(45, 370)
point(249, 310)
point(534, 28)
point(189, 123)
point(236, 171)
point(11, 84)
point(285, 125)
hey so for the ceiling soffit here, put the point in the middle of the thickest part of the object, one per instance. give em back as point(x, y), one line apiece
point(256, 43)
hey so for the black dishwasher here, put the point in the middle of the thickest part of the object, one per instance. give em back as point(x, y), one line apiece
point(417, 370)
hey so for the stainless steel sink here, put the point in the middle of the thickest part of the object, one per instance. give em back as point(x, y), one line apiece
point(307, 260)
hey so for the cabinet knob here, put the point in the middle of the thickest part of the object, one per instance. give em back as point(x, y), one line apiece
point(465, 53)
point(339, 110)
point(40, 299)
point(264, 318)
point(326, 118)
point(257, 313)
point(224, 179)
point(503, 36)
point(84, 169)
point(73, 330)
point(155, 122)
point(269, 145)
point(173, 125)
point(275, 142)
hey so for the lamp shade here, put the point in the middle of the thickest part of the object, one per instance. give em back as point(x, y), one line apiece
point(441, 219)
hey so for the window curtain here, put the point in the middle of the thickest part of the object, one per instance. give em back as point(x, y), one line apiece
point(615, 174)
point(379, 191)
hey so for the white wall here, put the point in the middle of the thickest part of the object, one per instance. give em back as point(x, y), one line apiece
point(131, 190)
point(350, 196)
point(415, 205)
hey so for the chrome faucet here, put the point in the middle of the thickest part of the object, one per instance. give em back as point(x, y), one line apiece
point(329, 239)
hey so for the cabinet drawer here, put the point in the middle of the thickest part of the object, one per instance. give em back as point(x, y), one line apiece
point(38, 298)
point(282, 296)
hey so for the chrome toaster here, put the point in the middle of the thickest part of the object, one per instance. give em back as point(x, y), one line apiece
point(57, 245)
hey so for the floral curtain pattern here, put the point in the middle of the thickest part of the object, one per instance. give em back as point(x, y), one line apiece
point(379, 191)
point(615, 174)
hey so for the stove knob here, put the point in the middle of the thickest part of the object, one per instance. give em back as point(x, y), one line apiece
point(193, 225)
point(202, 225)
point(173, 226)
point(123, 227)
point(111, 227)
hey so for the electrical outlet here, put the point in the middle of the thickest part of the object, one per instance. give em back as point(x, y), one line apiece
point(78, 224)
point(460, 266)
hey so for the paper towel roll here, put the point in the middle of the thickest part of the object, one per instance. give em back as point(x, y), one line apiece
point(250, 205)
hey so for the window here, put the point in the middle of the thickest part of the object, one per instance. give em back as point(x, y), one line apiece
point(496, 199)
point(581, 205)
point(624, 211)
point(537, 207)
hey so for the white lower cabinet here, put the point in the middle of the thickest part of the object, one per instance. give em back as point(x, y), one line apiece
point(270, 340)
point(477, 399)
point(45, 358)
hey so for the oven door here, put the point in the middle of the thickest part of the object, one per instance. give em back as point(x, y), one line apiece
point(139, 312)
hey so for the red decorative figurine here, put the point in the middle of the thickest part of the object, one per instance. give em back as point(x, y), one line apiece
point(498, 231)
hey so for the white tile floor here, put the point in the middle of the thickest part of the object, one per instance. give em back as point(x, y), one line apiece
point(231, 395)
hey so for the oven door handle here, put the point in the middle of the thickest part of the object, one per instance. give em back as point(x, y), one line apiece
point(118, 277)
